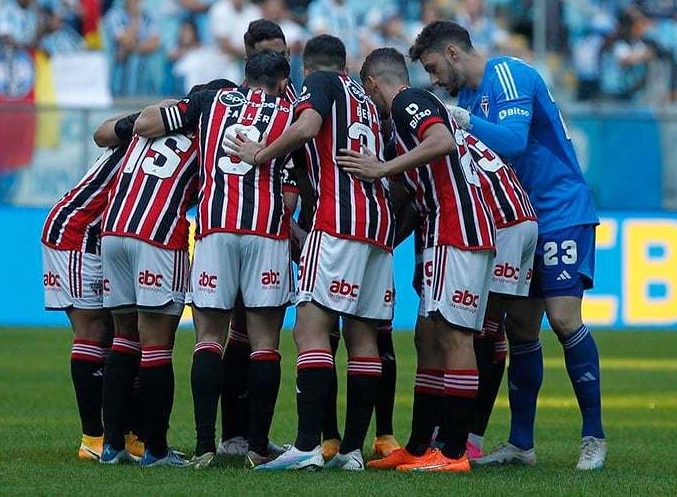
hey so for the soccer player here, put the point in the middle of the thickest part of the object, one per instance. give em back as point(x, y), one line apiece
point(346, 266)
point(73, 282)
point(458, 258)
point(146, 271)
point(262, 35)
point(242, 241)
point(505, 103)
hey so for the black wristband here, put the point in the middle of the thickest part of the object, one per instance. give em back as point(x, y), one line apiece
point(124, 128)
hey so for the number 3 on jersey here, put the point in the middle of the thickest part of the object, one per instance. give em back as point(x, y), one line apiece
point(363, 135)
point(230, 164)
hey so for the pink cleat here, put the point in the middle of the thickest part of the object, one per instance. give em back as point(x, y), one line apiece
point(473, 451)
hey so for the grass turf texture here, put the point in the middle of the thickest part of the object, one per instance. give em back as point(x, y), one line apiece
point(39, 430)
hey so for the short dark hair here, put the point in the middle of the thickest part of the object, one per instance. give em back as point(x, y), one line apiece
point(385, 61)
point(266, 68)
point(215, 84)
point(324, 51)
point(437, 35)
point(262, 30)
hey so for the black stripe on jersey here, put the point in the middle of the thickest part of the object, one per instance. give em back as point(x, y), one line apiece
point(340, 130)
point(117, 202)
point(81, 198)
point(506, 206)
point(144, 202)
point(248, 196)
point(525, 203)
point(276, 218)
point(92, 245)
point(466, 200)
point(372, 207)
point(169, 218)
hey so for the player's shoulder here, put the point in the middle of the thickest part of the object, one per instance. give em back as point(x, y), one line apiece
point(409, 99)
point(511, 75)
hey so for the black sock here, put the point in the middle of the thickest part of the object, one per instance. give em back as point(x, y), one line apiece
point(313, 374)
point(264, 384)
point(460, 389)
point(364, 377)
point(330, 428)
point(87, 374)
point(135, 421)
point(428, 394)
point(205, 379)
point(488, 386)
point(386, 392)
point(121, 368)
point(234, 387)
point(157, 390)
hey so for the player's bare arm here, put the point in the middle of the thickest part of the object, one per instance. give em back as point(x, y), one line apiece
point(306, 127)
point(437, 142)
point(105, 136)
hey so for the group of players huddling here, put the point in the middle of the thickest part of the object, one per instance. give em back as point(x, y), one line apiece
point(504, 227)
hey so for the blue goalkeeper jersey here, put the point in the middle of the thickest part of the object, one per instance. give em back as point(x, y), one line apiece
point(515, 115)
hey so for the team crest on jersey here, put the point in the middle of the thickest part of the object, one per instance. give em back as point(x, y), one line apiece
point(355, 90)
point(233, 99)
point(484, 105)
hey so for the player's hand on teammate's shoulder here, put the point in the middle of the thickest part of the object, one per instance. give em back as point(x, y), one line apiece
point(364, 164)
point(243, 147)
point(461, 116)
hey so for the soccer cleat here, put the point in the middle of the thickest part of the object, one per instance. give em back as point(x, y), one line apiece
point(352, 461)
point(172, 458)
point(330, 448)
point(593, 454)
point(90, 448)
point(112, 456)
point(398, 457)
point(384, 445)
point(236, 446)
point(474, 452)
point(295, 459)
point(134, 446)
point(277, 450)
point(434, 460)
point(507, 453)
point(203, 461)
point(253, 459)
point(460, 465)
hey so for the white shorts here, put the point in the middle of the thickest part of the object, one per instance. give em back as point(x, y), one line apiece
point(140, 275)
point(513, 266)
point(348, 277)
point(71, 279)
point(224, 263)
point(456, 284)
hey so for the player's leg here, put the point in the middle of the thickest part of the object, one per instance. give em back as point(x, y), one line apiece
point(234, 389)
point(215, 280)
point(490, 373)
point(92, 332)
point(385, 442)
point(566, 271)
point(331, 436)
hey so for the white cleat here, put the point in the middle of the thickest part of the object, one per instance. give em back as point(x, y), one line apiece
point(203, 461)
point(593, 454)
point(236, 446)
point(507, 453)
point(294, 459)
point(352, 461)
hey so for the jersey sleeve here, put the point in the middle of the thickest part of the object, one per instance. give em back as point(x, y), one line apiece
point(414, 111)
point(185, 115)
point(317, 94)
point(512, 92)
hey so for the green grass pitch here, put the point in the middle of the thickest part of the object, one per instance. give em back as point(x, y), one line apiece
point(39, 430)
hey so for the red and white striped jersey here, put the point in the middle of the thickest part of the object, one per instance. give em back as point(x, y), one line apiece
point(503, 192)
point(447, 190)
point(74, 223)
point(346, 206)
point(153, 191)
point(236, 197)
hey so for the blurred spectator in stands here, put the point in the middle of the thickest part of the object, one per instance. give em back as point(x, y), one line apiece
point(663, 32)
point(294, 33)
point(132, 40)
point(197, 11)
point(228, 22)
point(338, 18)
point(69, 11)
point(429, 12)
point(18, 23)
point(586, 46)
point(625, 58)
point(487, 37)
point(57, 35)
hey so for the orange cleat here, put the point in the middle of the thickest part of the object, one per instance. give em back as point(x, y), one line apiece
point(434, 460)
point(385, 445)
point(90, 448)
point(397, 458)
point(330, 448)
